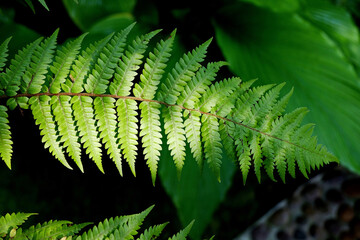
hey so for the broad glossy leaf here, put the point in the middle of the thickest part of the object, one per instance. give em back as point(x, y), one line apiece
point(337, 23)
point(88, 12)
point(286, 48)
point(20, 34)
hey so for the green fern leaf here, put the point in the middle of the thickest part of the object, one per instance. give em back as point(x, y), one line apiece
point(17, 67)
point(63, 61)
point(151, 135)
point(98, 80)
point(3, 53)
point(131, 225)
point(270, 148)
point(256, 151)
point(40, 106)
point(247, 100)
point(193, 134)
point(106, 116)
point(82, 66)
point(182, 73)
point(34, 78)
point(154, 69)
point(85, 121)
point(5, 137)
point(247, 122)
point(45, 230)
point(44, 4)
point(126, 71)
point(227, 130)
point(12, 221)
point(212, 143)
point(216, 93)
point(263, 106)
point(183, 233)
point(124, 227)
point(226, 106)
point(128, 130)
point(174, 129)
point(153, 232)
point(198, 85)
point(243, 151)
point(66, 126)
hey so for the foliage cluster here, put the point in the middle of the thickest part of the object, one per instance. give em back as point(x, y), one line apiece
point(311, 45)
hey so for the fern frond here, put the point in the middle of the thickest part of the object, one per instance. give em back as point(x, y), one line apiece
point(3, 53)
point(126, 71)
point(44, 230)
point(5, 137)
point(83, 65)
point(85, 121)
point(225, 107)
point(63, 60)
point(198, 84)
point(154, 69)
point(227, 130)
point(182, 73)
point(83, 98)
point(40, 106)
point(13, 74)
point(152, 232)
point(34, 77)
point(151, 135)
point(216, 93)
point(183, 233)
point(193, 134)
point(174, 129)
point(124, 227)
point(106, 115)
point(12, 221)
point(103, 71)
point(128, 130)
point(61, 109)
point(212, 143)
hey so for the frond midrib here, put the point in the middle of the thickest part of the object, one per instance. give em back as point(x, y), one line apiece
point(164, 104)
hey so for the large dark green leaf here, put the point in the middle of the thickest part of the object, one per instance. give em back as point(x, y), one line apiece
point(287, 48)
point(20, 34)
point(86, 13)
point(197, 193)
point(337, 23)
point(276, 5)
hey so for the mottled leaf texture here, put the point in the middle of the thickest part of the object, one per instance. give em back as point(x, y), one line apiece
point(82, 99)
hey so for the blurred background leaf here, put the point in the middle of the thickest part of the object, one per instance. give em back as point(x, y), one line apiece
point(197, 193)
point(276, 5)
point(287, 48)
point(86, 13)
